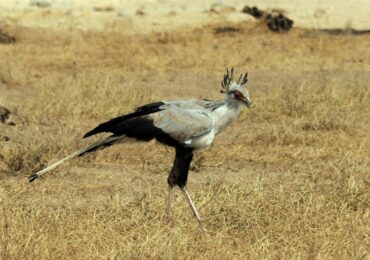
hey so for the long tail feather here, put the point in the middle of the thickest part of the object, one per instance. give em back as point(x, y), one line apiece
point(93, 147)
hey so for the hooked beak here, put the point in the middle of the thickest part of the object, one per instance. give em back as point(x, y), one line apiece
point(247, 102)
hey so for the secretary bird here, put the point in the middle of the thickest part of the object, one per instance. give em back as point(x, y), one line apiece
point(186, 125)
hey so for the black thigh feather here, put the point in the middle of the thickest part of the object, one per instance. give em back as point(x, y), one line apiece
point(180, 169)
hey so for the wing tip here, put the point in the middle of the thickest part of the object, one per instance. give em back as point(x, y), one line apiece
point(33, 177)
point(90, 133)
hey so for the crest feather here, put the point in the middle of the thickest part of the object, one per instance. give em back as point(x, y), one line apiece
point(229, 78)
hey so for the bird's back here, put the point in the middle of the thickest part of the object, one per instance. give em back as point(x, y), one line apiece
point(173, 122)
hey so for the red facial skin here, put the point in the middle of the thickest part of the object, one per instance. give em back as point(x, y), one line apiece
point(238, 95)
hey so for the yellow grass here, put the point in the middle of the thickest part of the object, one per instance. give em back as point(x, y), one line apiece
point(289, 180)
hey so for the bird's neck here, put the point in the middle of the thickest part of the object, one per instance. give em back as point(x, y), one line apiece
point(225, 114)
point(232, 104)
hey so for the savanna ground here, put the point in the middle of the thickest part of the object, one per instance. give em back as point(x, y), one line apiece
point(290, 179)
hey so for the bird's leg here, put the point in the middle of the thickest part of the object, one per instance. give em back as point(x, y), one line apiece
point(192, 207)
point(169, 203)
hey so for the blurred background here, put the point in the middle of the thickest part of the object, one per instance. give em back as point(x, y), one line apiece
point(156, 14)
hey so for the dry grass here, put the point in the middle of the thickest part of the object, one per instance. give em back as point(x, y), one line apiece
point(289, 180)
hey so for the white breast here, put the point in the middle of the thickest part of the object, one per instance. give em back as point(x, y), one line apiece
point(221, 118)
point(202, 141)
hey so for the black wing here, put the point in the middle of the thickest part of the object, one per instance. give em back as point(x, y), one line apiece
point(123, 124)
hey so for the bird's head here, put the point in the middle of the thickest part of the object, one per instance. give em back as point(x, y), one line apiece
point(235, 89)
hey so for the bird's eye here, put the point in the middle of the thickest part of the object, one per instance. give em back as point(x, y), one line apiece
point(238, 94)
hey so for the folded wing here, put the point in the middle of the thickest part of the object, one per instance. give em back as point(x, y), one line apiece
point(179, 121)
point(183, 124)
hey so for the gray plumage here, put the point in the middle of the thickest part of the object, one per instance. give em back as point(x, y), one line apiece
point(186, 125)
